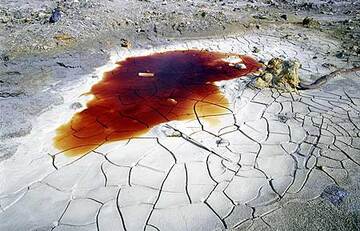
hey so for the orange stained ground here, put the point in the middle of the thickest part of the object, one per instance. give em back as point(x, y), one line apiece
point(142, 92)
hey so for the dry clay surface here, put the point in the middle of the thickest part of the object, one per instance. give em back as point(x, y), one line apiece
point(275, 160)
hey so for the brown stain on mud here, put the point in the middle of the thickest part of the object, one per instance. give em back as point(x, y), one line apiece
point(144, 91)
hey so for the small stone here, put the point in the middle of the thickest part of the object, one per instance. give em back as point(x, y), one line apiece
point(76, 105)
point(284, 16)
point(170, 132)
point(256, 50)
point(222, 143)
point(310, 23)
point(334, 194)
point(283, 118)
point(340, 54)
point(27, 20)
point(125, 43)
point(55, 16)
point(260, 16)
point(5, 57)
point(171, 101)
point(328, 65)
point(240, 66)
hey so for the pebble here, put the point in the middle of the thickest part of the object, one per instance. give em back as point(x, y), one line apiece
point(256, 50)
point(4, 57)
point(55, 16)
point(284, 16)
point(240, 66)
point(341, 54)
point(125, 43)
point(76, 105)
point(310, 23)
point(334, 194)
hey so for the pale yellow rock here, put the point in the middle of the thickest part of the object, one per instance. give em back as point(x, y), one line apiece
point(280, 74)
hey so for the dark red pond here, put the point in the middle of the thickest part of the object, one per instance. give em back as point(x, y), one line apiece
point(144, 91)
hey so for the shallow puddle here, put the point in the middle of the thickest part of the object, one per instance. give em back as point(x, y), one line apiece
point(144, 91)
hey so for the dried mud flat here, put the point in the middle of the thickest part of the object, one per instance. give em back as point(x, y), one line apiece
point(273, 161)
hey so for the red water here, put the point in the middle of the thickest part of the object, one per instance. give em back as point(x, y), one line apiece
point(142, 92)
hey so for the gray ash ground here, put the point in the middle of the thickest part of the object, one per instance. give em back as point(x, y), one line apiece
point(40, 61)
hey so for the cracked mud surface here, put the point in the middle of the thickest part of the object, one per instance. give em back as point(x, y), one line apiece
point(270, 156)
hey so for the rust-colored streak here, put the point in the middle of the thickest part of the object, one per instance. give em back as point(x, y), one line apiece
point(144, 91)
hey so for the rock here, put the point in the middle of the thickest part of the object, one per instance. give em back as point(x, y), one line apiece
point(310, 23)
point(260, 16)
point(334, 194)
point(280, 74)
point(341, 54)
point(55, 16)
point(76, 105)
point(328, 65)
point(125, 43)
point(264, 81)
point(256, 50)
point(222, 143)
point(169, 131)
point(275, 65)
point(284, 16)
point(240, 66)
point(282, 118)
point(5, 57)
